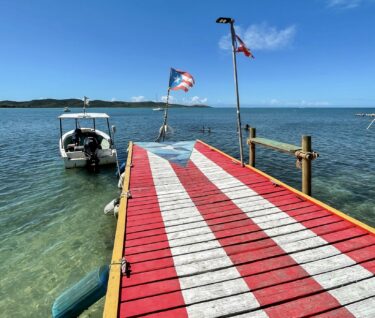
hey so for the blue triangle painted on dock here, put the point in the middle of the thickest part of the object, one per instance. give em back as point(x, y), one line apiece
point(177, 152)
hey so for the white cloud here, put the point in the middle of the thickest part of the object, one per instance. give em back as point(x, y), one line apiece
point(225, 42)
point(171, 99)
point(194, 100)
point(198, 100)
point(138, 98)
point(262, 37)
point(313, 103)
point(344, 4)
point(113, 99)
point(296, 103)
point(274, 101)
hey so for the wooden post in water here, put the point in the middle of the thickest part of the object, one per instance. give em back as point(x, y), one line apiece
point(306, 166)
point(252, 147)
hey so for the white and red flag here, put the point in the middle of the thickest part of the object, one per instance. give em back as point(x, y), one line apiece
point(241, 47)
point(180, 80)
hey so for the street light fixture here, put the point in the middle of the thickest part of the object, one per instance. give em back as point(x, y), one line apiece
point(230, 21)
point(224, 20)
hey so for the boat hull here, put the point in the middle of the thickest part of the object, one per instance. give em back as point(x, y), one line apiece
point(107, 158)
point(78, 159)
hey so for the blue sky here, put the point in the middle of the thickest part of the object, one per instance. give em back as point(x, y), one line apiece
point(307, 53)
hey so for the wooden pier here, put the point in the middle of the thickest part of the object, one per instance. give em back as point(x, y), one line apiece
point(198, 235)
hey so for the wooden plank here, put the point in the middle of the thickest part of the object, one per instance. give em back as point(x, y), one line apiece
point(114, 280)
point(277, 145)
point(203, 162)
point(213, 238)
point(205, 293)
point(236, 248)
point(129, 295)
point(368, 228)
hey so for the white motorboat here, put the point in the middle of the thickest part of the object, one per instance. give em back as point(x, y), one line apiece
point(90, 147)
point(66, 109)
point(158, 109)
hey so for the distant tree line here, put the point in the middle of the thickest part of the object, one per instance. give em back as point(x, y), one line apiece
point(78, 103)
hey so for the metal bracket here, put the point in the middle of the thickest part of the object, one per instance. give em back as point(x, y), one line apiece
point(126, 194)
point(125, 267)
point(275, 184)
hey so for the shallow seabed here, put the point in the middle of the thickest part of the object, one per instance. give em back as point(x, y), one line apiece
point(52, 227)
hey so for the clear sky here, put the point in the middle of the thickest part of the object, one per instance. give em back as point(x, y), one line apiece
point(307, 53)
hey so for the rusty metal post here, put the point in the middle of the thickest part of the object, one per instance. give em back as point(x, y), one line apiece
point(252, 147)
point(306, 166)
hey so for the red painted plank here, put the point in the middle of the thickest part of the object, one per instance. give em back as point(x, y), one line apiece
point(218, 158)
point(151, 304)
point(306, 307)
point(153, 287)
point(260, 246)
point(128, 289)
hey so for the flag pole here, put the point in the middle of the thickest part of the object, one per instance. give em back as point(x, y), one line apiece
point(166, 115)
point(84, 104)
point(163, 129)
point(237, 94)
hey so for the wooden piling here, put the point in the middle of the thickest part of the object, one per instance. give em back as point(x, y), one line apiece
point(306, 165)
point(252, 132)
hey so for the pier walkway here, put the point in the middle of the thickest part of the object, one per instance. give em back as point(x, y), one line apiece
point(205, 237)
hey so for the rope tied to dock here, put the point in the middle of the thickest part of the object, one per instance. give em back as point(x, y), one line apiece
point(299, 154)
point(126, 194)
point(125, 266)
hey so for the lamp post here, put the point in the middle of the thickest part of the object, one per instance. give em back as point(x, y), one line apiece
point(233, 34)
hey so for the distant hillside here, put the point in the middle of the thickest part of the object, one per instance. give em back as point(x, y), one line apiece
point(77, 103)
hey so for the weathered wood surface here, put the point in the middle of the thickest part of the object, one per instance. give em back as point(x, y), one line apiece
point(214, 239)
point(277, 145)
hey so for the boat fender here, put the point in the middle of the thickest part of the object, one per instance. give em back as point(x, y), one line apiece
point(115, 211)
point(121, 169)
point(73, 301)
point(110, 207)
point(121, 180)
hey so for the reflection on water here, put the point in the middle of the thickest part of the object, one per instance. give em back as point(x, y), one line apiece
point(53, 230)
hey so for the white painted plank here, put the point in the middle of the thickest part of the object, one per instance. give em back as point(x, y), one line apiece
point(355, 292)
point(224, 306)
point(364, 308)
point(210, 277)
point(343, 276)
point(285, 241)
point(330, 264)
point(208, 292)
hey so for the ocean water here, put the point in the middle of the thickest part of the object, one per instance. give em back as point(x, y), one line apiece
point(52, 227)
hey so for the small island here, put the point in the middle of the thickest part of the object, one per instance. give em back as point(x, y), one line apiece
point(78, 103)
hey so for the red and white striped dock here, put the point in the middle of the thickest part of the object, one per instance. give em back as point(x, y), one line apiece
point(214, 239)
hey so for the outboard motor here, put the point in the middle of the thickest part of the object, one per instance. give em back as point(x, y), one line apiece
point(91, 147)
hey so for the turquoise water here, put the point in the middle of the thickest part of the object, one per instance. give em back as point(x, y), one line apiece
point(52, 227)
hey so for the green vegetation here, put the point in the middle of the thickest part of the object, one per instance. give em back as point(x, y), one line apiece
point(77, 103)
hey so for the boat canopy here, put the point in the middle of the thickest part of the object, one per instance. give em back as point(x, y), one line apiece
point(83, 116)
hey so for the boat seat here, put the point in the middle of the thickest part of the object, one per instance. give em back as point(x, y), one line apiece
point(79, 148)
point(70, 147)
point(73, 147)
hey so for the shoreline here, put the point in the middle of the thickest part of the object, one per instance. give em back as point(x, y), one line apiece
point(77, 103)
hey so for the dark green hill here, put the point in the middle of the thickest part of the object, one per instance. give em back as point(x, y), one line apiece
point(77, 103)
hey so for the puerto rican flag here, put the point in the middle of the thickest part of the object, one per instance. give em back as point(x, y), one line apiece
point(243, 48)
point(180, 80)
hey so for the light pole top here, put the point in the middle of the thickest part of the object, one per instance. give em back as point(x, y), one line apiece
point(224, 20)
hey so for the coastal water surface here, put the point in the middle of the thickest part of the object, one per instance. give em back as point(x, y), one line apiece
point(52, 227)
